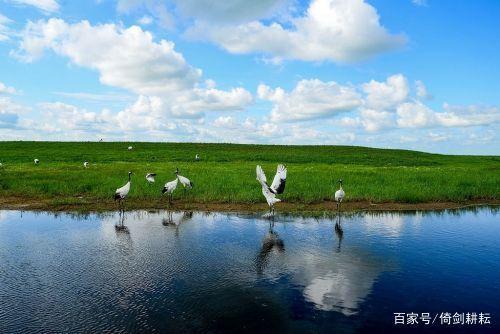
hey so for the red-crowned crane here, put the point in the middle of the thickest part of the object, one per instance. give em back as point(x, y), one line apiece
point(339, 195)
point(150, 177)
point(121, 193)
point(276, 188)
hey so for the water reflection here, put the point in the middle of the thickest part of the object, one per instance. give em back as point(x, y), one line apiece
point(339, 232)
point(270, 242)
point(130, 272)
point(120, 227)
point(175, 219)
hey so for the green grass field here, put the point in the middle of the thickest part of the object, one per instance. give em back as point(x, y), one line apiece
point(226, 172)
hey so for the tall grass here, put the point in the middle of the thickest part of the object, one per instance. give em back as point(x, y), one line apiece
point(226, 172)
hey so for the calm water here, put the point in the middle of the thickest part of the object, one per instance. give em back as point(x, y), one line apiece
point(197, 272)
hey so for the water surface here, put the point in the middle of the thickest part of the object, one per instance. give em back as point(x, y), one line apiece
point(198, 272)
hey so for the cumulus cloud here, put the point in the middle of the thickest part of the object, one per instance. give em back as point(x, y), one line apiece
point(10, 113)
point(332, 30)
point(310, 99)
point(225, 122)
point(58, 115)
point(388, 94)
point(129, 58)
point(373, 106)
point(124, 57)
point(48, 6)
point(417, 115)
point(374, 120)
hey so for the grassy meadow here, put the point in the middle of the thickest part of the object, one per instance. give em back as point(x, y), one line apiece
point(226, 173)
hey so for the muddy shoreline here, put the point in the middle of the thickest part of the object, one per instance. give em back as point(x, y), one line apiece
point(15, 203)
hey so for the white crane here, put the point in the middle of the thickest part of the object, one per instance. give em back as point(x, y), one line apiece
point(86, 164)
point(197, 157)
point(150, 177)
point(121, 193)
point(169, 189)
point(130, 148)
point(276, 188)
point(339, 195)
point(184, 180)
point(36, 161)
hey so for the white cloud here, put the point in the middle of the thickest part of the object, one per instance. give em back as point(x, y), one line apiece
point(145, 20)
point(373, 106)
point(417, 115)
point(373, 120)
point(225, 122)
point(48, 6)
point(10, 112)
point(422, 92)
point(482, 138)
point(4, 29)
point(126, 58)
point(95, 97)
point(333, 30)
point(438, 137)
point(129, 58)
point(4, 89)
point(206, 10)
point(58, 115)
point(228, 11)
point(310, 99)
point(419, 2)
point(386, 95)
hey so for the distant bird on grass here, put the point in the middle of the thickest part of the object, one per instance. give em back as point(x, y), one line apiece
point(86, 164)
point(169, 189)
point(121, 193)
point(150, 177)
point(184, 180)
point(36, 161)
point(197, 157)
point(339, 195)
point(276, 188)
point(130, 148)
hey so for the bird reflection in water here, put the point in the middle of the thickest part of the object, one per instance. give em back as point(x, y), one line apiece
point(120, 226)
point(339, 232)
point(270, 242)
point(175, 222)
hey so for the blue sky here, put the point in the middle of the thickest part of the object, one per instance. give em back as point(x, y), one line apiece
point(408, 74)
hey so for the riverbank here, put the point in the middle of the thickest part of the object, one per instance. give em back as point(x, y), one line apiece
point(224, 177)
point(82, 205)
